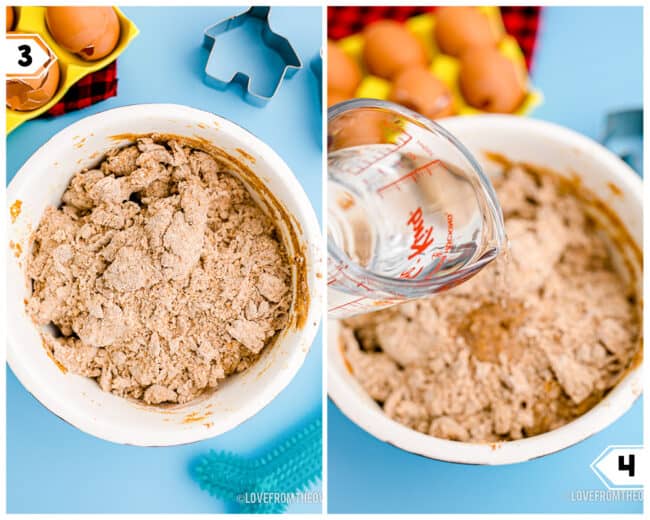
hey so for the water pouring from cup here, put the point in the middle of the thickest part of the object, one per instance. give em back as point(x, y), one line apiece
point(410, 212)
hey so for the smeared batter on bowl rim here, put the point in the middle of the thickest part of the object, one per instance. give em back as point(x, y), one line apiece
point(159, 272)
point(517, 352)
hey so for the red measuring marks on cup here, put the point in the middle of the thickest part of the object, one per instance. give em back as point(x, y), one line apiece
point(362, 298)
point(348, 305)
point(339, 274)
point(425, 169)
point(402, 140)
point(353, 306)
point(418, 214)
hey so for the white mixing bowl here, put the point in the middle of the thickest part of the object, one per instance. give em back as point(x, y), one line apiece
point(613, 182)
point(79, 400)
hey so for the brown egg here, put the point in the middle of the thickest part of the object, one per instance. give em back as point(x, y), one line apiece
point(11, 18)
point(90, 32)
point(358, 128)
point(489, 81)
point(389, 47)
point(418, 89)
point(25, 95)
point(334, 97)
point(343, 73)
point(459, 28)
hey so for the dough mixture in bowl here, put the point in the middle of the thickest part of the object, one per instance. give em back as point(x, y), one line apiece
point(159, 273)
point(525, 346)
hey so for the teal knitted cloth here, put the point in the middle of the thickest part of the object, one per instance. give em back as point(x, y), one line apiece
point(265, 484)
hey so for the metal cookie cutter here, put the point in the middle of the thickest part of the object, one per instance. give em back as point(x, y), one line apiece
point(624, 136)
point(316, 66)
point(271, 39)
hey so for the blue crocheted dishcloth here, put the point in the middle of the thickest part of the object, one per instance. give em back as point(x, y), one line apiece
point(265, 484)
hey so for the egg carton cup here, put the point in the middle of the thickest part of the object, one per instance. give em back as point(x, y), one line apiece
point(444, 67)
point(72, 67)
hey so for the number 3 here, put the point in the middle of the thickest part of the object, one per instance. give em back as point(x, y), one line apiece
point(25, 56)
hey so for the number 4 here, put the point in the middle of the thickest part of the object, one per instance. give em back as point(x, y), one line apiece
point(629, 467)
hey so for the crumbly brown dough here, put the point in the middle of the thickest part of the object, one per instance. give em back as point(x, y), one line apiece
point(160, 273)
point(513, 352)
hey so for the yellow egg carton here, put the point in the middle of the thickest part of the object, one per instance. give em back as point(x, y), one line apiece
point(443, 66)
point(72, 67)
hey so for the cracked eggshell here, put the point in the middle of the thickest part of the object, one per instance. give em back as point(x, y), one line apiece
point(29, 94)
point(90, 32)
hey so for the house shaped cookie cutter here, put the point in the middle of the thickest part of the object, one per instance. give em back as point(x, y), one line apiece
point(271, 39)
point(316, 66)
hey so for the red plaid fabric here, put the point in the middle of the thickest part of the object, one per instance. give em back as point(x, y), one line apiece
point(520, 22)
point(523, 24)
point(87, 91)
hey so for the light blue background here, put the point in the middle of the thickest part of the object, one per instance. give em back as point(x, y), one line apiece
point(588, 62)
point(51, 466)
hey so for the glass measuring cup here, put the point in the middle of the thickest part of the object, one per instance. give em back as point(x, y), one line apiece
point(410, 212)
